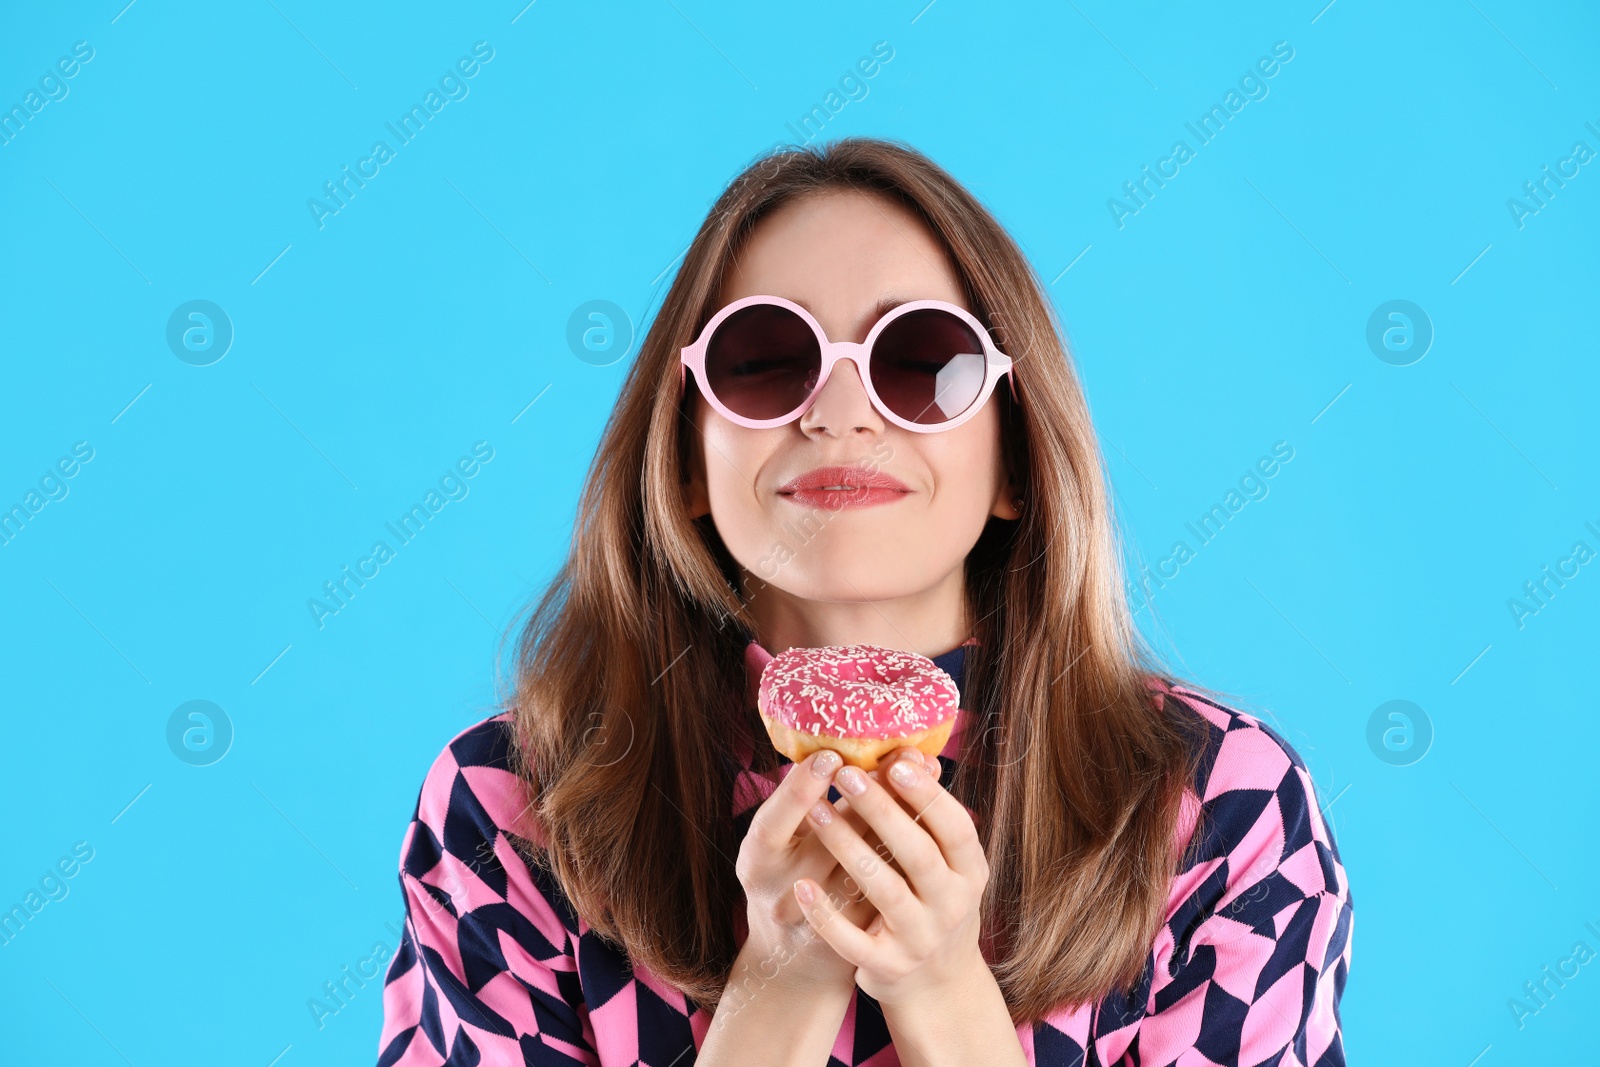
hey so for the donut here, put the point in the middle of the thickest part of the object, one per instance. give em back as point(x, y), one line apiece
point(862, 701)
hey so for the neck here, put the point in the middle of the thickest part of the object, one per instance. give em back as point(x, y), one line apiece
point(929, 622)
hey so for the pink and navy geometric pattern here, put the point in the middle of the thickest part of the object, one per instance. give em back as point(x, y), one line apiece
point(495, 967)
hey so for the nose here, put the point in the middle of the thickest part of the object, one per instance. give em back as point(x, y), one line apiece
point(842, 407)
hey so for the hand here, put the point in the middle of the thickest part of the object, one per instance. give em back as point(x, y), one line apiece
point(927, 884)
point(779, 849)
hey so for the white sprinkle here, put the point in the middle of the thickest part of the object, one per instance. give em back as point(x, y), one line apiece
point(857, 691)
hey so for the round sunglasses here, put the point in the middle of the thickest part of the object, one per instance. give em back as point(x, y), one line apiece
point(927, 365)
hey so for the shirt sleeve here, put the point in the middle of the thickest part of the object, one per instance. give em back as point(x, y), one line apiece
point(485, 971)
point(1253, 960)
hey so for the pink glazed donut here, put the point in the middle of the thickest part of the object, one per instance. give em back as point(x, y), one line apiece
point(862, 701)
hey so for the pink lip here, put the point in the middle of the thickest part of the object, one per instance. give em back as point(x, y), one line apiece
point(866, 488)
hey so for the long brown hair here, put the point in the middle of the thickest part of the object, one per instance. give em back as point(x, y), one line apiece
point(629, 707)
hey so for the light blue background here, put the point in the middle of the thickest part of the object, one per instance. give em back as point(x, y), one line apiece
point(1228, 314)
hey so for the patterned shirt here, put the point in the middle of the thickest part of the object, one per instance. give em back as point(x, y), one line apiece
point(496, 968)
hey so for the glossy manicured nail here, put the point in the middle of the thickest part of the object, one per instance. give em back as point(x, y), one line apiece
point(824, 763)
point(905, 772)
point(851, 780)
point(803, 890)
point(822, 813)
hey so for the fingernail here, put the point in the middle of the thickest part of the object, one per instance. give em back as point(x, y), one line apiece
point(913, 754)
point(822, 813)
point(803, 890)
point(852, 781)
point(824, 763)
point(905, 772)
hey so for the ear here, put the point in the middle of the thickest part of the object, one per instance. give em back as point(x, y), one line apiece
point(1006, 499)
point(696, 497)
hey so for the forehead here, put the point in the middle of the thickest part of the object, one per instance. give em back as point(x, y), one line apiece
point(843, 248)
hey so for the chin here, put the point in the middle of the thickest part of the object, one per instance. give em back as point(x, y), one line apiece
point(853, 579)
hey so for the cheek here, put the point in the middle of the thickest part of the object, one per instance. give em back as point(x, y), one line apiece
point(962, 505)
point(965, 463)
point(734, 458)
point(731, 460)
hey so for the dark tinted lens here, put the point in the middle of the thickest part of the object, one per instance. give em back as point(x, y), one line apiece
point(762, 361)
point(928, 366)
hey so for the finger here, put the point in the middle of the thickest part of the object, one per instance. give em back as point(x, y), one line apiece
point(876, 774)
point(884, 886)
point(811, 859)
point(848, 896)
point(908, 842)
point(813, 852)
point(848, 940)
point(844, 885)
point(868, 834)
point(947, 820)
point(780, 816)
point(861, 913)
point(885, 764)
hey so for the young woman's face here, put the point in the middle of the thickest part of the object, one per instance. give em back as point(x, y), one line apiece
point(818, 572)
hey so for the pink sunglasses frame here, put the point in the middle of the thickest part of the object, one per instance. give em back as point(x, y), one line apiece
point(995, 363)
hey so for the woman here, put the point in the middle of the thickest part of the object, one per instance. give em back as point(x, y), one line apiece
point(1102, 866)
